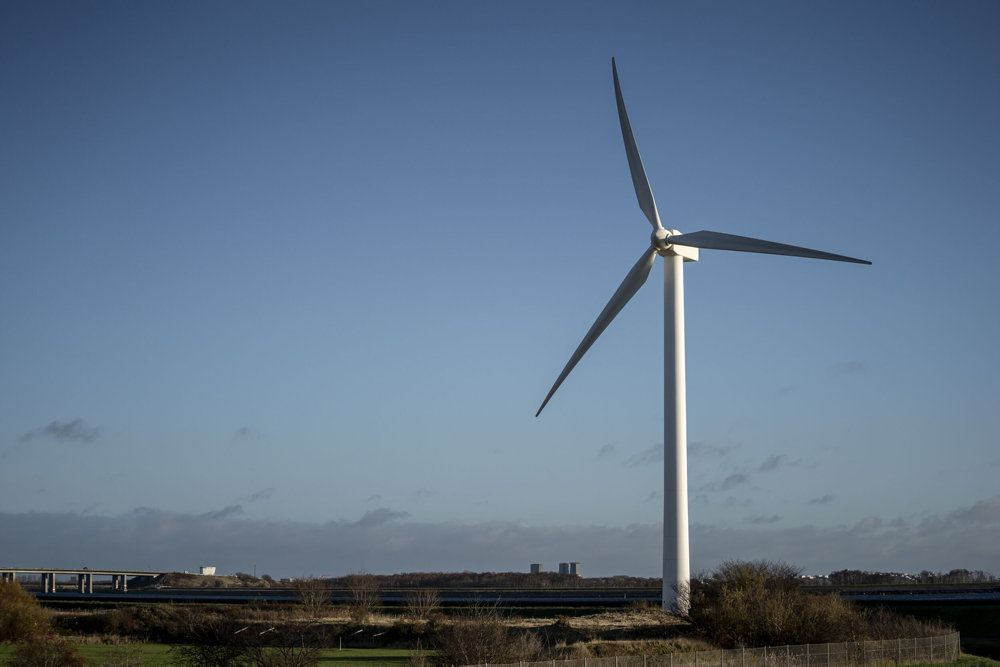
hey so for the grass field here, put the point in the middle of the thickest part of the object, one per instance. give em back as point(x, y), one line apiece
point(159, 655)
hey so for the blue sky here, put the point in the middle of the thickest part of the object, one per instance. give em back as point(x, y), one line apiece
point(283, 284)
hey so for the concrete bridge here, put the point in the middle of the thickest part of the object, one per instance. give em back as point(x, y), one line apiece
point(84, 577)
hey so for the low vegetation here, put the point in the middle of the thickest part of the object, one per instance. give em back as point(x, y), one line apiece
point(762, 603)
point(742, 604)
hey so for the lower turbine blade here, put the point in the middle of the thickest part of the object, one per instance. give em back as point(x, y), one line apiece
point(633, 281)
point(720, 241)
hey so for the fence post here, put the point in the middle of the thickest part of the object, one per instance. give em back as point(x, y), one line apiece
point(743, 656)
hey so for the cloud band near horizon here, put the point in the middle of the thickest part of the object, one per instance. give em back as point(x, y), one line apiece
point(384, 542)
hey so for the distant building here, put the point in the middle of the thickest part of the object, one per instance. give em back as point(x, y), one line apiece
point(536, 568)
point(207, 569)
point(572, 569)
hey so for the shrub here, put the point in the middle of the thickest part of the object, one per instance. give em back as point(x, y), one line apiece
point(216, 641)
point(284, 656)
point(761, 603)
point(21, 617)
point(480, 636)
point(46, 651)
point(880, 623)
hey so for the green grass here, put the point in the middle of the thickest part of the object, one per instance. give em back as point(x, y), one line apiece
point(968, 661)
point(365, 656)
point(153, 655)
point(159, 655)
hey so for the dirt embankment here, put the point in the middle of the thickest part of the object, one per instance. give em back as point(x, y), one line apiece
point(187, 580)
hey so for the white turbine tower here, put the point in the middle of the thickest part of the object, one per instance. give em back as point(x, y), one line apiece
point(675, 248)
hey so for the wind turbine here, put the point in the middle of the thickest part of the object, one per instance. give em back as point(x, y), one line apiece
point(675, 248)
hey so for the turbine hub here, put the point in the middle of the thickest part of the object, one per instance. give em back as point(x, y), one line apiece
point(660, 238)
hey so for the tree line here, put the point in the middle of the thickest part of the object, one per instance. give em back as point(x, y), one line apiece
point(864, 577)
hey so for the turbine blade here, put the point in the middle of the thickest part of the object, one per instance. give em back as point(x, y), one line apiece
point(720, 241)
point(633, 281)
point(639, 180)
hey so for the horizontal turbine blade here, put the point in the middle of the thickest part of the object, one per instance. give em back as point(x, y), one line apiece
point(720, 241)
point(633, 281)
point(639, 180)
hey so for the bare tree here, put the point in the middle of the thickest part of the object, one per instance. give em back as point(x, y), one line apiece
point(421, 603)
point(480, 636)
point(365, 598)
point(312, 592)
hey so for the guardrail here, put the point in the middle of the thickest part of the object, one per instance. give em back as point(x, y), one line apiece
point(944, 648)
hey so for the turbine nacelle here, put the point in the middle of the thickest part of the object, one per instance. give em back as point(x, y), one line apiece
point(660, 240)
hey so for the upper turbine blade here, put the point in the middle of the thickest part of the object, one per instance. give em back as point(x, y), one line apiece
point(639, 180)
point(633, 281)
point(720, 241)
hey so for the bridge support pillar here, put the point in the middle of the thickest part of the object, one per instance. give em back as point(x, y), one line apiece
point(85, 582)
